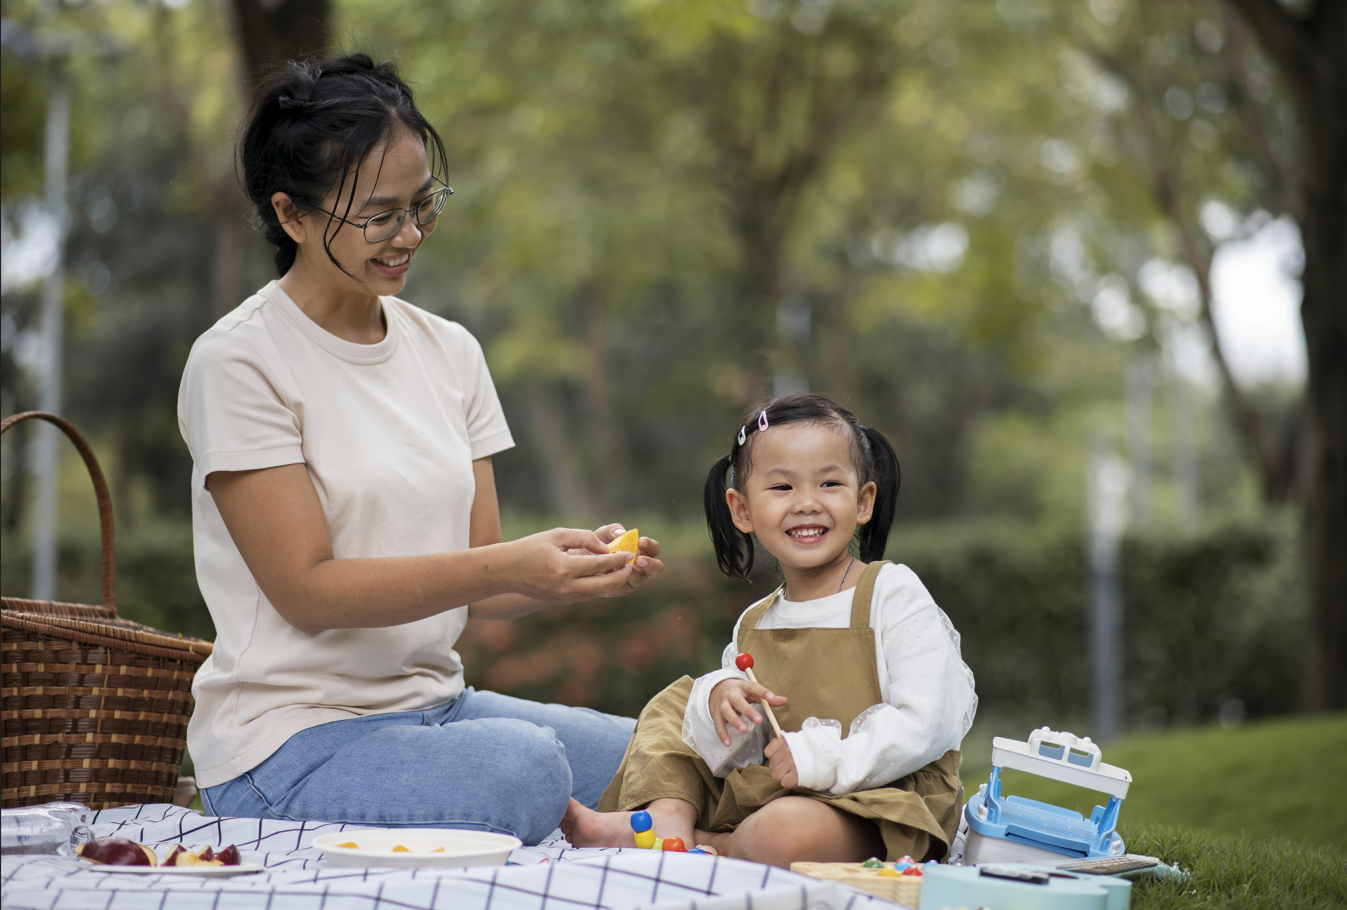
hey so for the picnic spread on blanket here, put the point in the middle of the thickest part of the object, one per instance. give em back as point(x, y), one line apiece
point(293, 873)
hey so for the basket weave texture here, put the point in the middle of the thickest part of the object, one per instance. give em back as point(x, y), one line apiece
point(93, 708)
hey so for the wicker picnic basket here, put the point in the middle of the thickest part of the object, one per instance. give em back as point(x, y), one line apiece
point(93, 708)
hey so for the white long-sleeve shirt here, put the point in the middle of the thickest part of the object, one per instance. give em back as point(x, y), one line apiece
point(928, 705)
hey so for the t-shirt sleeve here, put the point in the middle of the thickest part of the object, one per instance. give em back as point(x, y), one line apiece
point(488, 433)
point(230, 412)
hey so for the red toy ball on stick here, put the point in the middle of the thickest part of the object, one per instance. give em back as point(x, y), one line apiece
point(745, 663)
point(674, 845)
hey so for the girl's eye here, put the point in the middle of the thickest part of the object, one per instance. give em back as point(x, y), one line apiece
point(381, 220)
point(425, 206)
point(783, 487)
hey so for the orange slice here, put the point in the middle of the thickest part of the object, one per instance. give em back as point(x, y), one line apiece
point(627, 543)
point(350, 845)
point(401, 849)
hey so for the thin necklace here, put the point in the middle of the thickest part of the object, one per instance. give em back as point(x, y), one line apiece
point(785, 592)
point(845, 574)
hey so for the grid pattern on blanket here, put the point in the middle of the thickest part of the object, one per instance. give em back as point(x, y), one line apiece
point(551, 875)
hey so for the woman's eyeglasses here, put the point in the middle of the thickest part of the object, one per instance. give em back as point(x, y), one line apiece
point(378, 228)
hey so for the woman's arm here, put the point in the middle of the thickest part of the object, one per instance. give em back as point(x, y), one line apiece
point(277, 523)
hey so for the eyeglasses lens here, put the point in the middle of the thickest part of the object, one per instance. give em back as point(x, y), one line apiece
point(381, 227)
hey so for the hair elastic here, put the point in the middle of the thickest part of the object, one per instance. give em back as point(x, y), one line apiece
point(762, 421)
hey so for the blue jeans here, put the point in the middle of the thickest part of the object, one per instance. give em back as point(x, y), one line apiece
point(483, 761)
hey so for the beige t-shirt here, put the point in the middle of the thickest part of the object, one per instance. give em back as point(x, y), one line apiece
point(388, 433)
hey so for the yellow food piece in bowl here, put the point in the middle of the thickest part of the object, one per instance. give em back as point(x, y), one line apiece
point(401, 849)
point(627, 543)
point(438, 850)
point(350, 845)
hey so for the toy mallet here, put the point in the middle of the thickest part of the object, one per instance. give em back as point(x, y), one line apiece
point(745, 662)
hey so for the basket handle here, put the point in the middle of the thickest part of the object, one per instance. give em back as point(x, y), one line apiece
point(100, 490)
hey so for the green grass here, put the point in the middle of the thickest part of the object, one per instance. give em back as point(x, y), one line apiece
point(1258, 814)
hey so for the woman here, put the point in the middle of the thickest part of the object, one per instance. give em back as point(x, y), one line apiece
point(344, 507)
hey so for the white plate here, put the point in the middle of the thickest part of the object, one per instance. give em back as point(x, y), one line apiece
point(198, 871)
point(461, 848)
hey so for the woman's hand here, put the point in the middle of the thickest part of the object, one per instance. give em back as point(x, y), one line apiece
point(647, 565)
point(731, 701)
point(565, 565)
point(781, 763)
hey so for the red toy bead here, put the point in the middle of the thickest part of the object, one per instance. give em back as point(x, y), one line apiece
point(744, 661)
point(674, 845)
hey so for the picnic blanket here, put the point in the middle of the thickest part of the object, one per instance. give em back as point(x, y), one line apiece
point(551, 876)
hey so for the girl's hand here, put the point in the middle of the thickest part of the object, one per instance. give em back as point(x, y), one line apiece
point(781, 763)
point(731, 701)
point(646, 565)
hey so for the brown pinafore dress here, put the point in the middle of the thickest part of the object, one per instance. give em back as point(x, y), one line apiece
point(825, 673)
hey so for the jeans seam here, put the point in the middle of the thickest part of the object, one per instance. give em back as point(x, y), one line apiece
point(252, 785)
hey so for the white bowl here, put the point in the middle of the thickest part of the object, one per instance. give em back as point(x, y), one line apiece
point(461, 848)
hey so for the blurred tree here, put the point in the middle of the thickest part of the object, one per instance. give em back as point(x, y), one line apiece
point(1308, 42)
point(272, 31)
point(1213, 127)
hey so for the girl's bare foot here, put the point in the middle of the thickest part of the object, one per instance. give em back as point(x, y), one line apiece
point(584, 827)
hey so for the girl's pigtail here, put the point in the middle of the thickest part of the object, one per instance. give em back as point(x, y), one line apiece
point(734, 548)
point(873, 536)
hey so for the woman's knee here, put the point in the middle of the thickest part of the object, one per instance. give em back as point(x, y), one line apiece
point(524, 768)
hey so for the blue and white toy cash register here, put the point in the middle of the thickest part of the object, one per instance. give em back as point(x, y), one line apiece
point(1015, 829)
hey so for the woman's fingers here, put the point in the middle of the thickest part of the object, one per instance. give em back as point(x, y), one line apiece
point(576, 539)
point(609, 533)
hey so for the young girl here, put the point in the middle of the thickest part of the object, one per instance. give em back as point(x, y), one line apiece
point(860, 666)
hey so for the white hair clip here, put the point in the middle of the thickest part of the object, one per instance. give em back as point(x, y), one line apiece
point(743, 434)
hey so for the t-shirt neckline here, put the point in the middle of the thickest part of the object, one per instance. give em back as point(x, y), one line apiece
point(337, 347)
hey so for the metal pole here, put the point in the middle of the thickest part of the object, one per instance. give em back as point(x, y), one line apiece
point(47, 461)
point(1140, 386)
point(1107, 498)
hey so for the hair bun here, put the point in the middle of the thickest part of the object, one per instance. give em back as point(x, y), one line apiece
point(291, 104)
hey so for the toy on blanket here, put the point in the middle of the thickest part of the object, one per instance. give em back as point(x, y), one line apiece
point(898, 881)
point(1016, 829)
point(745, 663)
point(644, 828)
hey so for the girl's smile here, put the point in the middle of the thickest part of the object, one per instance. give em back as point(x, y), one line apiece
point(803, 499)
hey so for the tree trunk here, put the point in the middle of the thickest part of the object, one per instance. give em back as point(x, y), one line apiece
point(569, 497)
point(270, 31)
point(1312, 55)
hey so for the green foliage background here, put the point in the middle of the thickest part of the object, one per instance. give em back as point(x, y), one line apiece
point(663, 209)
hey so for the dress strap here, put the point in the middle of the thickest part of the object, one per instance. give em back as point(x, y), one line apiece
point(756, 612)
point(865, 589)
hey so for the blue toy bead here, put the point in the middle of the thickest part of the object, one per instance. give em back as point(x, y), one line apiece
point(696, 850)
point(640, 821)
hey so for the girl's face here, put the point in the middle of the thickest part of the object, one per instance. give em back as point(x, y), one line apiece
point(396, 176)
point(803, 498)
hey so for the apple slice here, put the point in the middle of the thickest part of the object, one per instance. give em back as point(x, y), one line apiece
point(117, 851)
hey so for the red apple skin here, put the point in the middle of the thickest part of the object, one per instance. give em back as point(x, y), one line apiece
point(206, 855)
point(172, 858)
point(229, 856)
point(117, 851)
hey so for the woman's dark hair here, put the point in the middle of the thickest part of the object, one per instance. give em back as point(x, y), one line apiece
point(875, 460)
point(311, 126)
